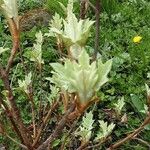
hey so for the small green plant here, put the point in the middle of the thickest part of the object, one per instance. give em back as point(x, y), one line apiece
point(70, 31)
point(24, 85)
point(105, 130)
point(36, 54)
point(82, 78)
point(119, 106)
point(85, 129)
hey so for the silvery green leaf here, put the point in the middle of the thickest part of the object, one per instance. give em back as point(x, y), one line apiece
point(86, 127)
point(39, 37)
point(2, 49)
point(56, 22)
point(147, 90)
point(105, 130)
point(80, 76)
point(72, 32)
point(119, 105)
point(24, 84)
point(84, 59)
point(10, 9)
point(103, 70)
point(75, 50)
point(36, 53)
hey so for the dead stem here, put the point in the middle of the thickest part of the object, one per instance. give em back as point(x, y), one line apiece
point(44, 123)
point(130, 136)
point(58, 130)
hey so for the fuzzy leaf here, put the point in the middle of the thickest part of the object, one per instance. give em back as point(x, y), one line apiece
point(86, 127)
point(24, 84)
point(105, 130)
point(36, 53)
point(2, 49)
point(82, 77)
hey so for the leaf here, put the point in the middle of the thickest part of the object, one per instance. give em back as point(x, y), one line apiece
point(119, 105)
point(36, 53)
point(139, 105)
point(2, 49)
point(10, 10)
point(80, 77)
point(71, 31)
point(103, 70)
point(86, 127)
point(105, 130)
point(24, 84)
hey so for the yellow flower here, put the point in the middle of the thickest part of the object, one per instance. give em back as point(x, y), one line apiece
point(137, 39)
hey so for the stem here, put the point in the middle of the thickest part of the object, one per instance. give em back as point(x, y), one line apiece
point(44, 122)
point(57, 132)
point(142, 141)
point(5, 78)
point(84, 145)
point(33, 119)
point(9, 115)
point(97, 33)
point(15, 37)
point(19, 144)
point(83, 8)
point(130, 136)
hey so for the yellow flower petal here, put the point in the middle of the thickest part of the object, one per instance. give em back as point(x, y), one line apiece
point(137, 39)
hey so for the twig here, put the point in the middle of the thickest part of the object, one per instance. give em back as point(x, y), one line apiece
point(97, 32)
point(130, 136)
point(4, 133)
point(96, 145)
point(82, 146)
point(33, 119)
point(57, 131)
point(44, 122)
point(83, 8)
point(19, 144)
point(9, 115)
point(92, 6)
point(68, 134)
point(15, 37)
point(142, 141)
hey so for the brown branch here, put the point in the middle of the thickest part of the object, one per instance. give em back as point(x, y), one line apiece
point(44, 123)
point(83, 8)
point(58, 130)
point(5, 78)
point(97, 26)
point(82, 146)
point(130, 136)
point(4, 133)
point(9, 115)
point(30, 96)
point(142, 141)
point(19, 144)
point(15, 39)
point(92, 6)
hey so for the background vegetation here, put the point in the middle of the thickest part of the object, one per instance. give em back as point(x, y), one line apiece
point(120, 22)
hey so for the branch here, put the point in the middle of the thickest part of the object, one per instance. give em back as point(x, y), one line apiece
point(58, 130)
point(130, 136)
point(19, 144)
point(44, 122)
point(83, 146)
point(15, 38)
point(142, 141)
point(9, 115)
point(97, 24)
point(83, 8)
point(3, 132)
